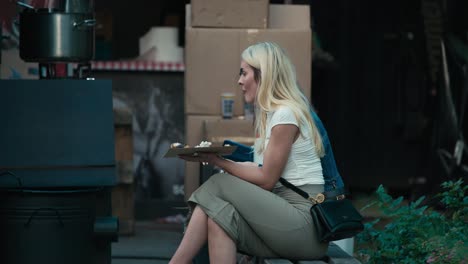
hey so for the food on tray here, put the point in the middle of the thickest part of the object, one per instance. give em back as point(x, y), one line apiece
point(203, 144)
point(177, 145)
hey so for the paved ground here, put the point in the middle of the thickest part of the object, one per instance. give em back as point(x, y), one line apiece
point(155, 243)
point(151, 244)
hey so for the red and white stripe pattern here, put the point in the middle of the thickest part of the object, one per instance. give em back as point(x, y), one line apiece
point(137, 66)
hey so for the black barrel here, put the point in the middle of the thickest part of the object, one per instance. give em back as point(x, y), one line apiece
point(47, 226)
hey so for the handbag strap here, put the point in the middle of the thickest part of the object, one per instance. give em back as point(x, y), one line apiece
point(294, 188)
point(336, 194)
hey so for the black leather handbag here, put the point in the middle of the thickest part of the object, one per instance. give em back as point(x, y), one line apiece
point(336, 216)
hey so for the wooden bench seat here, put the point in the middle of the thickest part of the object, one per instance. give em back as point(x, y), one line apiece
point(335, 255)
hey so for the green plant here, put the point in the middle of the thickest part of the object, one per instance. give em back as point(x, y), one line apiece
point(416, 233)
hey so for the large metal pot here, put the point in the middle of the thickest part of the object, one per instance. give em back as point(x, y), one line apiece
point(50, 36)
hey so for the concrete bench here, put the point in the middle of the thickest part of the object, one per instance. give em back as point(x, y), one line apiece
point(335, 255)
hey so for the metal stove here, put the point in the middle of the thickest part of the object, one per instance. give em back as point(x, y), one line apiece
point(57, 164)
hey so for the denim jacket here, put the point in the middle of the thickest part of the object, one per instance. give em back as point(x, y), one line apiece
point(329, 169)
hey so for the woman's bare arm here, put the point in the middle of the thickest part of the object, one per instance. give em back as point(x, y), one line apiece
point(275, 158)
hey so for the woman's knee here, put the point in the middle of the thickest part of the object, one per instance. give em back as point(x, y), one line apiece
point(223, 179)
point(221, 176)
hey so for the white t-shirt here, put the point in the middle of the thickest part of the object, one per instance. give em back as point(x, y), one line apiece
point(303, 166)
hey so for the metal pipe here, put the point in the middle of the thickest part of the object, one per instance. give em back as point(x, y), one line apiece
point(24, 5)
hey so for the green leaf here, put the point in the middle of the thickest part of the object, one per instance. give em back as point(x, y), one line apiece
point(421, 210)
point(418, 202)
point(397, 202)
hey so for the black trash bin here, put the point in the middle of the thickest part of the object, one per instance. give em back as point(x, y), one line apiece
point(47, 226)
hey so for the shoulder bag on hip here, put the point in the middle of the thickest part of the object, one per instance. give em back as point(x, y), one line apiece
point(336, 215)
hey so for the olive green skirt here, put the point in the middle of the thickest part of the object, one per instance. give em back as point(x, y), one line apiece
point(261, 223)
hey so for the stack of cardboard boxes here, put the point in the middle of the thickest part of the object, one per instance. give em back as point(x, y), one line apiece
point(217, 32)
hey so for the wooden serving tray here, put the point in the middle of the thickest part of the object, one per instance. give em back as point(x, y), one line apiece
point(220, 150)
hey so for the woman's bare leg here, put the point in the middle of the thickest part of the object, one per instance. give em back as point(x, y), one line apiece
point(194, 238)
point(221, 248)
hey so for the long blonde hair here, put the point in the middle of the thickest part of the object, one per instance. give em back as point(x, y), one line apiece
point(277, 86)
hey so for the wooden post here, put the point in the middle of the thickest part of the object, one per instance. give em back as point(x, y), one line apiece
point(123, 194)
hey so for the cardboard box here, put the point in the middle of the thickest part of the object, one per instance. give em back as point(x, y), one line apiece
point(161, 44)
point(229, 13)
point(123, 139)
point(213, 129)
point(242, 131)
point(289, 16)
point(193, 136)
point(278, 14)
point(213, 59)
